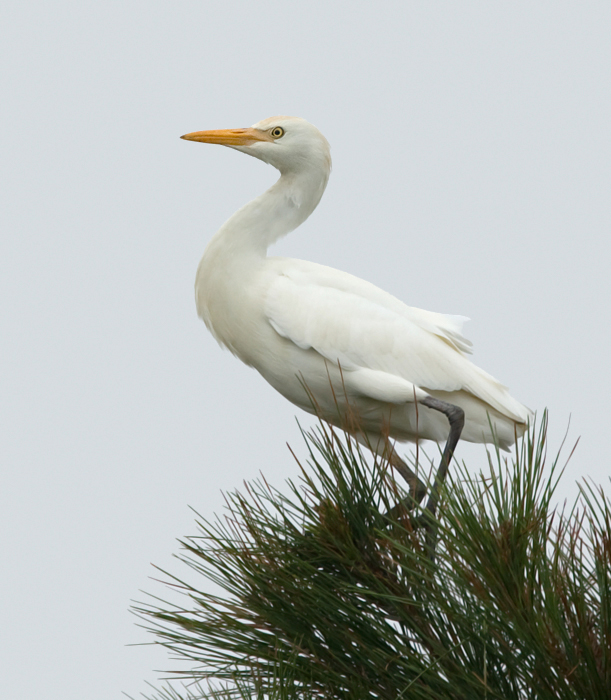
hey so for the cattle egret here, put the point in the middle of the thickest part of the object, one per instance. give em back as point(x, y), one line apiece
point(321, 336)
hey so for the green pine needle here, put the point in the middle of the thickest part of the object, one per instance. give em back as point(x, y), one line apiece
point(325, 596)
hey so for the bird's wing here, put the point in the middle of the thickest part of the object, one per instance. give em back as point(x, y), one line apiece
point(366, 330)
point(446, 326)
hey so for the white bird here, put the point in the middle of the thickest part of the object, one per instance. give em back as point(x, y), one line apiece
point(402, 371)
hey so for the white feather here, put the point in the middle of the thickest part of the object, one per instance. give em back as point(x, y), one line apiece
point(354, 346)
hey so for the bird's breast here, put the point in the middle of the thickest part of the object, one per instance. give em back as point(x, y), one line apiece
point(230, 301)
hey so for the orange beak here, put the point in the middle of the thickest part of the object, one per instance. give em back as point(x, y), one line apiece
point(229, 137)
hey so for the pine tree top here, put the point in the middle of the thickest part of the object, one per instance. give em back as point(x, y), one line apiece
point(328, 592)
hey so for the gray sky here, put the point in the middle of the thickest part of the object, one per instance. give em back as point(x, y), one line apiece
point(471, 175)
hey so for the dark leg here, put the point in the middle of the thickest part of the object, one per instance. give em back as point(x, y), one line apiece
point(456, 417)
point(417, 488)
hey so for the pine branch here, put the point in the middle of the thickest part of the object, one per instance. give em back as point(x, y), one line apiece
point(326, 596)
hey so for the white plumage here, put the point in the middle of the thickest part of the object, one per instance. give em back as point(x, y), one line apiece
point(300, 323)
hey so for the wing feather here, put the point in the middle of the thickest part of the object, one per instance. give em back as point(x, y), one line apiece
point(352, 322)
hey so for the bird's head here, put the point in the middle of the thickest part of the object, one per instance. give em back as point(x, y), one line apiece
point(288, 143)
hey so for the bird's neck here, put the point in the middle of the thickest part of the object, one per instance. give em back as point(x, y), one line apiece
point(260, 223)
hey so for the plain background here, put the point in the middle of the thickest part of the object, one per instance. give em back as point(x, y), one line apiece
point(471, 175)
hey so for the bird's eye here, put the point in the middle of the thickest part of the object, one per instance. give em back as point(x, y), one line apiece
point(276, 132)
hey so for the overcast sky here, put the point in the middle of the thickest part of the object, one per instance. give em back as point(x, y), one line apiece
point(472, 158)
